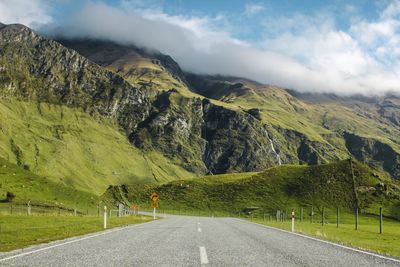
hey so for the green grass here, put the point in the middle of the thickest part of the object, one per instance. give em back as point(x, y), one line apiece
point(367, 236)
point(73, 148)
point(18, 231)
point(42, 191)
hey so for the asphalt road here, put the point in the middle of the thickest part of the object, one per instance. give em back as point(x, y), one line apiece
point(191, 241)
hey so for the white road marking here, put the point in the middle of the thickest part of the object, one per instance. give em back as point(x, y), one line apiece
point(203, 256)
point(70, 242)
point(198, 223)
point(199, 230)
point(326, 242)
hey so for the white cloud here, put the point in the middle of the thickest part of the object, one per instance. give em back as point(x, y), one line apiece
point(381, 37)
point(370, 32)
point(392, 10)
point(303, 53)
point(306, 53)
point(252, 9)
point(31, 13)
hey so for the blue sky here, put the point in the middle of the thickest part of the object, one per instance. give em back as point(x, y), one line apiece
point(344, 47)
point(245, 17)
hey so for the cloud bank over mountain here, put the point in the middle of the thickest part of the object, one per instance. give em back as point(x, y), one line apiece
point(30, 13)
point(305, 53)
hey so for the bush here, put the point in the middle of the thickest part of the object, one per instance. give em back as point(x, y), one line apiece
point(10, 196)
point(255, 112)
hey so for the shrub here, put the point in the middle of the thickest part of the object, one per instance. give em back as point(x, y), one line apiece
point(10, 196)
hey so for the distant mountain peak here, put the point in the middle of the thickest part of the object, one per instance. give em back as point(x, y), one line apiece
point(14, 26)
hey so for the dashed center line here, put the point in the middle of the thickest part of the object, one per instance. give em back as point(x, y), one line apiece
point(199, 230)
point(203, 256)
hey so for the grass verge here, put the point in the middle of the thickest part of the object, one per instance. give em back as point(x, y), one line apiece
point(367, 236)
point(18, 231)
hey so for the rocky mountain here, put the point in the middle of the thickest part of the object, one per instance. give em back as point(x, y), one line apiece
point(185, 126)
point(63, 115)
point(296, 127)
point(323, 127)
point(197, 124)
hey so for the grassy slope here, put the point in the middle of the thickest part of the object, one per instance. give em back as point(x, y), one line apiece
point(69, 146)
point(139, 70)
point(41, 191)
point(281, 187)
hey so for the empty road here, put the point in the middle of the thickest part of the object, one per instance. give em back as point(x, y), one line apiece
point(191, 241)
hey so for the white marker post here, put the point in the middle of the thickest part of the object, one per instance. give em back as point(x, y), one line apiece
point(292, 220)
point(105, 217)
point(154, 213)
point(29, 207)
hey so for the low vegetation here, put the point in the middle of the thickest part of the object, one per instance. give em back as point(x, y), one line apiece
point(18, 231)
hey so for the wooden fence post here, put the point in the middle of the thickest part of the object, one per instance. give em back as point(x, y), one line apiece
point(356, 215)
point(337, 217)
point(380, 220)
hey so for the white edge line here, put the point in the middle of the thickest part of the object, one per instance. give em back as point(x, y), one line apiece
point(72, 241)
point(203, 256)
point(324, 241)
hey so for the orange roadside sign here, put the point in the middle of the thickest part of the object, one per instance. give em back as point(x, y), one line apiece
point(154, 196)
point(154, 200)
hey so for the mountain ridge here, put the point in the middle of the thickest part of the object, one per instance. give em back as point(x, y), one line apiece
point(244, 126)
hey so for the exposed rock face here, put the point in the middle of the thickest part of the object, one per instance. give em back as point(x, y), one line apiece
point(206, 137)
point(389, 108)
point(38, 69)
point(374, 152)
point(236, 141)
point(174, 128)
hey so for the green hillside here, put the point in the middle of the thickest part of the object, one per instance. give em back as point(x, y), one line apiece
point(73, 148)
point(126, 116)
point(285, 187)
point(25, 186)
